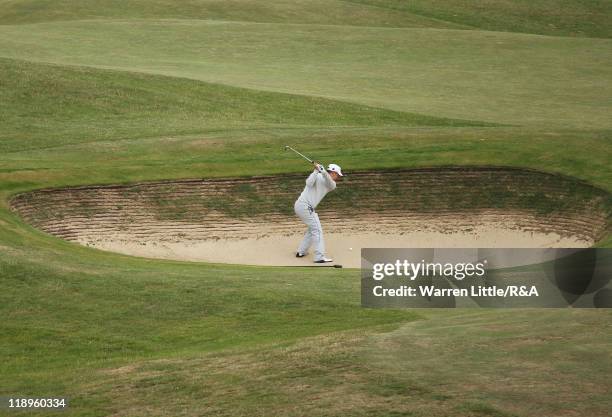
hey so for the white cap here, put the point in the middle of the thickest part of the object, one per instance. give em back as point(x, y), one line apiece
point(335, 168)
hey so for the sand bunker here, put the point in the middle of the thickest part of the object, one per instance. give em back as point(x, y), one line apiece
point(250, 220)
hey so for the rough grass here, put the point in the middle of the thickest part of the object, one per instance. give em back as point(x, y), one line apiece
point(477, 363)
point(505, 363)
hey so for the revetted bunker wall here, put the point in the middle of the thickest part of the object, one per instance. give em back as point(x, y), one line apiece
point(451, 198)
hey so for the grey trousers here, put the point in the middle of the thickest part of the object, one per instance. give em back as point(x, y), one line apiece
point(314, 232)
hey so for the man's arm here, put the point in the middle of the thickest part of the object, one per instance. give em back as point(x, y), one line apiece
point(312, 179)
point(329, 182)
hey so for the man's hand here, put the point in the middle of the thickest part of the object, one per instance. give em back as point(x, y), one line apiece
point(318, 166)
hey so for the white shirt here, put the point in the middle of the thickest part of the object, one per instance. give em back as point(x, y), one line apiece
point(318, 184)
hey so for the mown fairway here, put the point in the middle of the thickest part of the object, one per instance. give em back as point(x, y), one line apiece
point(492, 76)
point(108, 92)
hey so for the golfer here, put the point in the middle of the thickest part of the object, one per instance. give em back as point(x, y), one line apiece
point(318, 184)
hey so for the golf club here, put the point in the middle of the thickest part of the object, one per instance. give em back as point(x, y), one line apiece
point(301, 154)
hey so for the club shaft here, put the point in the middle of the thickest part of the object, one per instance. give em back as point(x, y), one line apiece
point(301, 154)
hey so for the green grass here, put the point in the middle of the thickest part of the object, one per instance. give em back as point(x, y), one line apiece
point(63, 106)
point(331, 12)
point(548, 17)
point(153, 92)
point(58, 310)
point(535, 371)
point(475, 75)
point(447, 364)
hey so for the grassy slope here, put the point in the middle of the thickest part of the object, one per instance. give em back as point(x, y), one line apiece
point(333, 12)
point(447, 365)
point(490, 76)
point(63, 105)
point(193, 339)
point(71, 308)
point(547, 17)
point(137, 127)
point(68, 310)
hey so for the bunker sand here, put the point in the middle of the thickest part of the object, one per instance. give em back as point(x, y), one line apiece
point(251, 221)
point(278, 250)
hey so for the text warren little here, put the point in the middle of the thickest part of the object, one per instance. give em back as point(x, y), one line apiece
point(473, 291)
